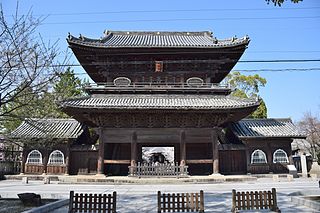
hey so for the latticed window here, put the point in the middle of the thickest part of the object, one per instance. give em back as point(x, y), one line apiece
point(258, 156)
point(280, 156)
point(34, 157)
point(56, 157)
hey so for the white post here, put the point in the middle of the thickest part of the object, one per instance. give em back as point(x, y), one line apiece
point(304, 166)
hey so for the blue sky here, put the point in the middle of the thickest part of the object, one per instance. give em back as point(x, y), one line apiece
point(288, 32)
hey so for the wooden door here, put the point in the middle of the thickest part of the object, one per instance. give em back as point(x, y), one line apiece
point(232, 162)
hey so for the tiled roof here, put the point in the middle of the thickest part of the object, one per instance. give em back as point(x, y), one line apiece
point(44, 128)
point(266, 128)
point(120, 39)
point(159, 101)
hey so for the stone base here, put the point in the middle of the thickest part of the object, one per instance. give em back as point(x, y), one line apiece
point(315, 169)
point(101, 175)
point(216, 175)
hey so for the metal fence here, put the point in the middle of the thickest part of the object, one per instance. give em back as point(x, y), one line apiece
point(10, 167)
point(158, 170)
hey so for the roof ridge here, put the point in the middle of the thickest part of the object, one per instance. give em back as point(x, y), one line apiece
point(248, 119)
point(50, 119)
point(157, 32)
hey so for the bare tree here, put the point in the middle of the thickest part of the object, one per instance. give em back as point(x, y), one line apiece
point(310, 125)
point(27, 63)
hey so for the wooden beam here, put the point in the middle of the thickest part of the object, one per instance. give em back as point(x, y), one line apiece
point(199, 161)
point(117, 161)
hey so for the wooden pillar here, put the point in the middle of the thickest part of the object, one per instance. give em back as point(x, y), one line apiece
point(270, 158)
point(182, 148)
point(45, 161)
point(23, 161)
point(100, 166)
point(215, 151)
point(66, 172)
point(133, 160)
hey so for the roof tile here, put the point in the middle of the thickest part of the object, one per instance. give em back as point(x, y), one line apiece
point(160, 101)
point(266, 128)
point(44, 128)
point(118, 39)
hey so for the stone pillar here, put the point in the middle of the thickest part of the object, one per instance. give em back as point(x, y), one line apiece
point(182, 148)
point(304, 169)
point(215, 151)
point(100, 166)
point(133, 161)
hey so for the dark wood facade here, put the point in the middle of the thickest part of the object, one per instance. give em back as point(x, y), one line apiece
point(162, 89)
point(268, 146)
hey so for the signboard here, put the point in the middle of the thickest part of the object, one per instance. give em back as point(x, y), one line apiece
point(121, 81)
point(195, 82)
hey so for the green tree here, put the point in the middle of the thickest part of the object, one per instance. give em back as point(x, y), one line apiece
point(280, 2)
point(43, 104)
point(68, 85)
point(247, 86)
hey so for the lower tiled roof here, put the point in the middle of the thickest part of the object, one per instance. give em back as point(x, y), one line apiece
point(247, 128)
point(159, 101)
point(48, 128)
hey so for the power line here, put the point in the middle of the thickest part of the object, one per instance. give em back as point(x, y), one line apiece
point(182, 19)
point(258, 70)
point(279, 70)
point(172, 11)
point(208, 60)
point(280, 61)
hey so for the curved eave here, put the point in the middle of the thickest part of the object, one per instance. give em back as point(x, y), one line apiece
point(159, 103)
point(272, 137)
point(98, 44)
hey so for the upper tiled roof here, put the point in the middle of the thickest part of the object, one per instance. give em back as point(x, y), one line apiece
point(48, 128)
point(160, 101)
point(266, 128)
point(122, 39)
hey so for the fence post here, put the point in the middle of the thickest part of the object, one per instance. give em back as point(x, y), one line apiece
point(201, 202)
point(274, 198)
point(159, 202)
point(114, 202)
point(71, 201)
point(233, 209)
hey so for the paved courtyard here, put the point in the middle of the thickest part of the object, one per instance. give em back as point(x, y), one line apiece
point(142, 198)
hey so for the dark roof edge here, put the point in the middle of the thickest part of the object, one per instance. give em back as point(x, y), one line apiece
point(274, 137)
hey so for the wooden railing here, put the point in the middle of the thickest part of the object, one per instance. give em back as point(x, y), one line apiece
point(254, 200)
point(158, 170)
point(97, 203)
point(180, 202)
point(259, 168)
point(150, 86)
point(34, 168)
point(56, 169)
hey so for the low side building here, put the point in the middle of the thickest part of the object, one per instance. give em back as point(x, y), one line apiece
point(49, 144)
point(266, 145)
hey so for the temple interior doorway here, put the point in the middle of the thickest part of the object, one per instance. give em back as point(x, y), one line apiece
point(153, 154)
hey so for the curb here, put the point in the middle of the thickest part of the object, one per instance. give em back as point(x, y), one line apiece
point(48, 207)
point(306, 202)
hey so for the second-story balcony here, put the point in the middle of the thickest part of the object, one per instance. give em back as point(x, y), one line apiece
point(154, 87)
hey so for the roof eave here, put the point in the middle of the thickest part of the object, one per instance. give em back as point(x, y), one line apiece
point(271, 137)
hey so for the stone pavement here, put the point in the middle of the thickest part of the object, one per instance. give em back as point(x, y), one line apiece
point(142, 197)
